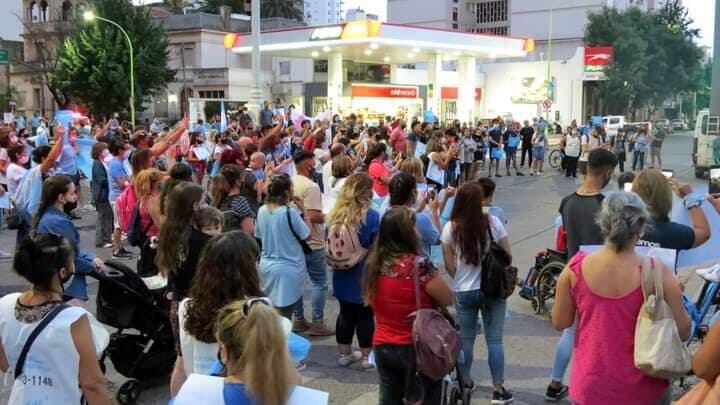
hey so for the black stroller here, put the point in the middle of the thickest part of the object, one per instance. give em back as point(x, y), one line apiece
point(125, 302)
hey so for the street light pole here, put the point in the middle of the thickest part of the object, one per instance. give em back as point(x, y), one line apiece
point(549, 60)
point(89, 16)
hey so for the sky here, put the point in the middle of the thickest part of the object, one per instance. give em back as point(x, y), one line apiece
point(702, 12)
point(378, 7)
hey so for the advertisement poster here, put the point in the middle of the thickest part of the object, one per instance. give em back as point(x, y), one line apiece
point(597, 59)
point(531, 90)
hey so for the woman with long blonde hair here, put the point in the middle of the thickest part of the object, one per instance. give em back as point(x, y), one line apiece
point(253, 350)
point(352, 226)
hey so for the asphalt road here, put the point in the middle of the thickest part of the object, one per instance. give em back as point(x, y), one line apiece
point(531, 205)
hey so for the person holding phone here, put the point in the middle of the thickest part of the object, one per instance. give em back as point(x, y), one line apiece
point(656, 191)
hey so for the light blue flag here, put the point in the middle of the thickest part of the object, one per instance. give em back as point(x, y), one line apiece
point(223, 117)
point(83, 159)
point(708, 252)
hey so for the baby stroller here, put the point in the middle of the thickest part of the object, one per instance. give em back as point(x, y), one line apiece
point(454, 391)
point(539, 285)
point(125, 302)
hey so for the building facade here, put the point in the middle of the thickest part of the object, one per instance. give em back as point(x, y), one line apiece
point(322, 12)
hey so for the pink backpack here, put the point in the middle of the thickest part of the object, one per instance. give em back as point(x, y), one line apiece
point(343, 248)
point(125, 204)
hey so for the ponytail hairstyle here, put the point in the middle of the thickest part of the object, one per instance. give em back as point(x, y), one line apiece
point(53, 187)
point(230, 175)
point(39, 258)
point(256, 347)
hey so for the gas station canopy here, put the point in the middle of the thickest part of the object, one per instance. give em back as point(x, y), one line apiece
point(370, 41)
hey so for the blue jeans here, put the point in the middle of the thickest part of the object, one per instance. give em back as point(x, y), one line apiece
point(493, 318)
point(316, 268)
point(563, 353)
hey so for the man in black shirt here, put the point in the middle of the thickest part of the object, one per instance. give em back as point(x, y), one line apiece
point(578, 211)
point(495, 141)
point(526, 133)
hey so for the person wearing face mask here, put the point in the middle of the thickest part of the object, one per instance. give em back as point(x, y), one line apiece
point(57, 191)
point(578, 211)
point(41, 134)
point(100, 190)
point(307, 190)
point(118, 180)
point(16, 169)
point(63, 357)
point(572, 152)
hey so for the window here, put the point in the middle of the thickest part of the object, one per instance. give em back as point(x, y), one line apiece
point(284, 67)
point(492, 11)
point(211, 93)
point(454, 26)
point(66, 10)
point(34, 12)
point(36, 99)
point(455, 14)
point(43, 11)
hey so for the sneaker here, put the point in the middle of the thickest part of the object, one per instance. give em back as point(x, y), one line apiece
point(107, 245)
point(500, 398)
point(366, 365)
point(122, 254)
point(532, 173)
point(555, 394)
point(320, 329)
point(5, 255)
point(498, 175)
point(300, 326)
point(347, 359)
point(519, 174)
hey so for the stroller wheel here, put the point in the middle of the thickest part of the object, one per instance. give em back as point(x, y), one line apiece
point(129, 392)
point(466, 397)
point(535, 305)
point(455, 395)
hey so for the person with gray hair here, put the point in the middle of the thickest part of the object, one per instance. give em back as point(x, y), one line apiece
point(603, 291)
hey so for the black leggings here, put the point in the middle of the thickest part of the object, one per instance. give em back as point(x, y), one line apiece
point(527, 150)
point(354, 319)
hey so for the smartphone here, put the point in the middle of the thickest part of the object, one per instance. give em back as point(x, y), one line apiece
point(668, 173)
point(714, 186)
point(627, 187)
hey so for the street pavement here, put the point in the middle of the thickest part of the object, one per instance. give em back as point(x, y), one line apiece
point(531, 205)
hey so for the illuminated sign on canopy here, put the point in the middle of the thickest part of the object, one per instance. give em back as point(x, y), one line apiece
point(352, 30)
point(325, 33)
point(384, 91)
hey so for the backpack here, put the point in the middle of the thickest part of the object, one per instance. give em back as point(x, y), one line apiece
point(124, 206)
point(343, 248)
point(498, 276)
point(435, 339)
point(136, 234)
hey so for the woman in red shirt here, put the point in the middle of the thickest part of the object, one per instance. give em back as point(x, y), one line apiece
point(389, 288)
point(380, 174)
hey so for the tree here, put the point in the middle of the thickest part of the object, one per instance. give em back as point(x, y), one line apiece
point(290, 9)
point(213, 6)
point(655, 56)
point(173, 6)
point(93, 63)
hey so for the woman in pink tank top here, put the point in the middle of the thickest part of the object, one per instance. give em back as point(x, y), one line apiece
point(603, 291)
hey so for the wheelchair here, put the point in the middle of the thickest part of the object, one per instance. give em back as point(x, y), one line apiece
point(541, 280)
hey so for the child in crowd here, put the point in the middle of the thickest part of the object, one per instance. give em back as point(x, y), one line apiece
point(209, 220)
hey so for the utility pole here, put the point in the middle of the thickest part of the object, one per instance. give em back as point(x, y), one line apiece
point(715, 86)
point(256, 90)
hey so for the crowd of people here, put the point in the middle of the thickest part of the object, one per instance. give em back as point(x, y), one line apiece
point(236, 219)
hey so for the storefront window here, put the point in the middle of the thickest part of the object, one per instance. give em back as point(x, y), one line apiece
point(367, 72)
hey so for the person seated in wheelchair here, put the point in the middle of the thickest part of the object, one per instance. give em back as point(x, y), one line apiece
point(542, 258)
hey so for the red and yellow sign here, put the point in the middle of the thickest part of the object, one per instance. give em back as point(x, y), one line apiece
point(451, 93)
point(361, 29)
point(384, 91)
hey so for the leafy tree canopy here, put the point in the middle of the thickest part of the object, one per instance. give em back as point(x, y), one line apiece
point(655, 59)
point(94, 61)
point(291, 9)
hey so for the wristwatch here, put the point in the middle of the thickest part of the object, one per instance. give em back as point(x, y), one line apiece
point(693, 201)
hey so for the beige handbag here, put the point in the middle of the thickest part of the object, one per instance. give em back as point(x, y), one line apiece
point(659, 352)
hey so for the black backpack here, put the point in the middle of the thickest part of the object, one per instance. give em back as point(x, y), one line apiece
point(498, 276)
point(136, 235)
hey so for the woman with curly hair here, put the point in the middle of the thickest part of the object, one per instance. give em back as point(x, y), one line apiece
point(226, 272)
point(352, 210)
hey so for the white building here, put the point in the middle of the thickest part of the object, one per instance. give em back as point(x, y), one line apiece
point(442, 14)
point(323, 12)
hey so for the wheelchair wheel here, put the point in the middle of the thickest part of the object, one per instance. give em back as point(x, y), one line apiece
point(545, 285)
point(555, 159)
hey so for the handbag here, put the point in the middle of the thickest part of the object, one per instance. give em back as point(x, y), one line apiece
point(658, 352)
point(436, 341)
point(702, 393)
point(303, 243)
point(498, 276)
point(16, 219)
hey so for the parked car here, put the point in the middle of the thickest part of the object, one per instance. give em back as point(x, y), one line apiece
point(677, 125)
point(612, 123)
point(702, 155)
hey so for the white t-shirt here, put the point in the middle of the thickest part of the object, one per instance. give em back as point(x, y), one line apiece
point(467, 277)
point(326, 175)
point(15, 173)
point(592, 142)
point(320, 154)
point(572, 146)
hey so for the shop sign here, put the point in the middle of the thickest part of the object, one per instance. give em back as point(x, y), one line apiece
point(451, 93)
point(597, 59)
point(325, 33)
point(384, 91)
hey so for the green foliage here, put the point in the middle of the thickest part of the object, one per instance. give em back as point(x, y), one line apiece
point(291, 9)
point(655, 56)
point(94, 61)
point(213, 6)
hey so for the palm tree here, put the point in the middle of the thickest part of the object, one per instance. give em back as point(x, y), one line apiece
point(174, 6)
point(213, 6)
point(291, 9)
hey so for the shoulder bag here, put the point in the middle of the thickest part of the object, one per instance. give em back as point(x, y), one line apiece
point(305, 247)
point(436, 341)
point(659, 352)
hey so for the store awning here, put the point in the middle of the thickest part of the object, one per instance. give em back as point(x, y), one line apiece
point(371, 41)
